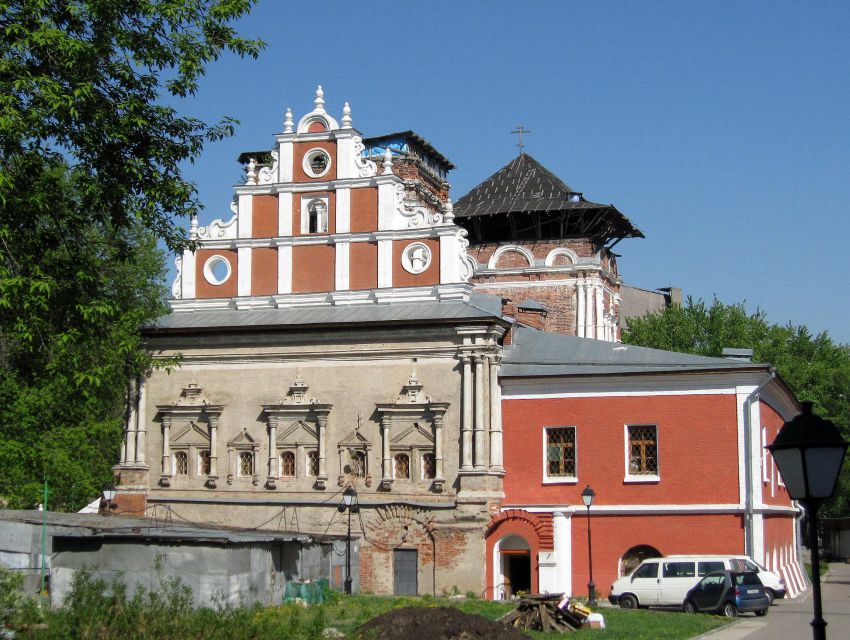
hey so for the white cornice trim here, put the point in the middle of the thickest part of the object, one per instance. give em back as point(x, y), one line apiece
point(670, 384)
point(641, 509)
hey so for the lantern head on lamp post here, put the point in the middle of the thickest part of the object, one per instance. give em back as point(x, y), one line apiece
point(349, 503)
point(809, 452)
point(587, 498)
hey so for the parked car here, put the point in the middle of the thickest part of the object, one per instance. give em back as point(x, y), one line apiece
point(665, 581)
point(729, 593)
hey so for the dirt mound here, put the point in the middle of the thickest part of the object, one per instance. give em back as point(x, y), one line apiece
point(437, 623)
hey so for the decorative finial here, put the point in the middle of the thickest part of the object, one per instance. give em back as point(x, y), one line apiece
point(346, 116)
point(287, 121)
point(193, 227)
point(448, 211)
point(520, 130)
point(320, 100)
point(251, 172)
point(388, 162)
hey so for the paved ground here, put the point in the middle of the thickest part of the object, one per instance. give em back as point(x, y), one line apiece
point(789, 619)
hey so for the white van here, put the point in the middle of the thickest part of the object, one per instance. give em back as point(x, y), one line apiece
point(665, 581)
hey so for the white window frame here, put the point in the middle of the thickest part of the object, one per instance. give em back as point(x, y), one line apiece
point(294, 463)
point(200, 463)
point(306, 201)
point(547, 479)
point(174, 455)
point(409, 455)
point(641, 477)
point(211, 263)
point(421, 462)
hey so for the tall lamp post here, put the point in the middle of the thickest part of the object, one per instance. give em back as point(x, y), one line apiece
point(809, 452)
point(587, 497)
point(349, 503)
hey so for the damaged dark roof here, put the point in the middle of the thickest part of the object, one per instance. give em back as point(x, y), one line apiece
point(523, 188)
point(415, 138)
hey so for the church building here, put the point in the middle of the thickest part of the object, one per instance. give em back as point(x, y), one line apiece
point(458, 367)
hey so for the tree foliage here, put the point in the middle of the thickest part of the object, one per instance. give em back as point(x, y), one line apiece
point(814, 366)
point(90, 180)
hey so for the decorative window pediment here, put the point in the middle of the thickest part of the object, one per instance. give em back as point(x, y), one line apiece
point(192, 436)
point(242, 454)
point(415, 436)
point(298, 433)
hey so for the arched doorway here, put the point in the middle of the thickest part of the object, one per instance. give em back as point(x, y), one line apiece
point(514, 557)
point(634, 556)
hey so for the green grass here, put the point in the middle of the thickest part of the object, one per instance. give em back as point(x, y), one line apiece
point(97, 611)
point(824, 568)
point(349, 612)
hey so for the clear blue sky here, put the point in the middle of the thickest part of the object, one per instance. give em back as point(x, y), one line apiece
point(722, 131)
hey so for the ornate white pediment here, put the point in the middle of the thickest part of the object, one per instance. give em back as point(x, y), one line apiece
point(244, 439)
point(355, 440)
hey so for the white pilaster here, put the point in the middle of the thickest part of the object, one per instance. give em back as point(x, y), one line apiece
point(285, 160)
point(563, 543)
point(599, 312)
point(478, 425)
point(588, 311)
point(466, 424)
point(496, 462)
point(386, 204)
point(546, 571)
point(214, 446)
point(129, 453)
point(342, 266)
point(322, 435)
point(246, 216)
point(449, 259)
point(580, 310)
point(284, 269)
point(166, 446)
point(142, 424)
point(273, 474)
point(244, 280)
point(187, 274)
point(343, 210)
point(345, 167)
point(284, 214)
point(385, 263)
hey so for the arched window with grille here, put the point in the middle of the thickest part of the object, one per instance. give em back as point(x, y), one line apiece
point(358, 464)
point(287, 464)
point(204, 462)
point(429, 466)
point(312, 463)
point(246, 464)
point(401, 466)
point(181, 463)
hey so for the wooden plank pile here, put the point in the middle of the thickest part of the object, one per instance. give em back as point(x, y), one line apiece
point(546, 613)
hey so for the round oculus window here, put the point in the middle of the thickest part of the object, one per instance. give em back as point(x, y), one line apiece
point(416, 258)
point(316, 163)
point(217, 270)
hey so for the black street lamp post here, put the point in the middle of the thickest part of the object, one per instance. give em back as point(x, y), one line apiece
point(587, 497)
point(809, 452)
point(349, 503)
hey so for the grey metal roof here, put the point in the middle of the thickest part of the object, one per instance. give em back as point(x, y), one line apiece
point(535, 353)
point(524, 186)
point(480, 306)
point(88, 525)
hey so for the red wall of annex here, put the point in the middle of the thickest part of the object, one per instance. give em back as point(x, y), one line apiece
point(364, 209)
point(697, 448)
point(263, 271)
point(301, 148)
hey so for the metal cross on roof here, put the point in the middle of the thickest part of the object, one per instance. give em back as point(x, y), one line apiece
point(520, 130)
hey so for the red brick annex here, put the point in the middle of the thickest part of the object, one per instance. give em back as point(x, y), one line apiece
point(458, 365)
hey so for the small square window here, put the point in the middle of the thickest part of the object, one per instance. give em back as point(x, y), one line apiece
point(560, 454)
point(642, 452)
